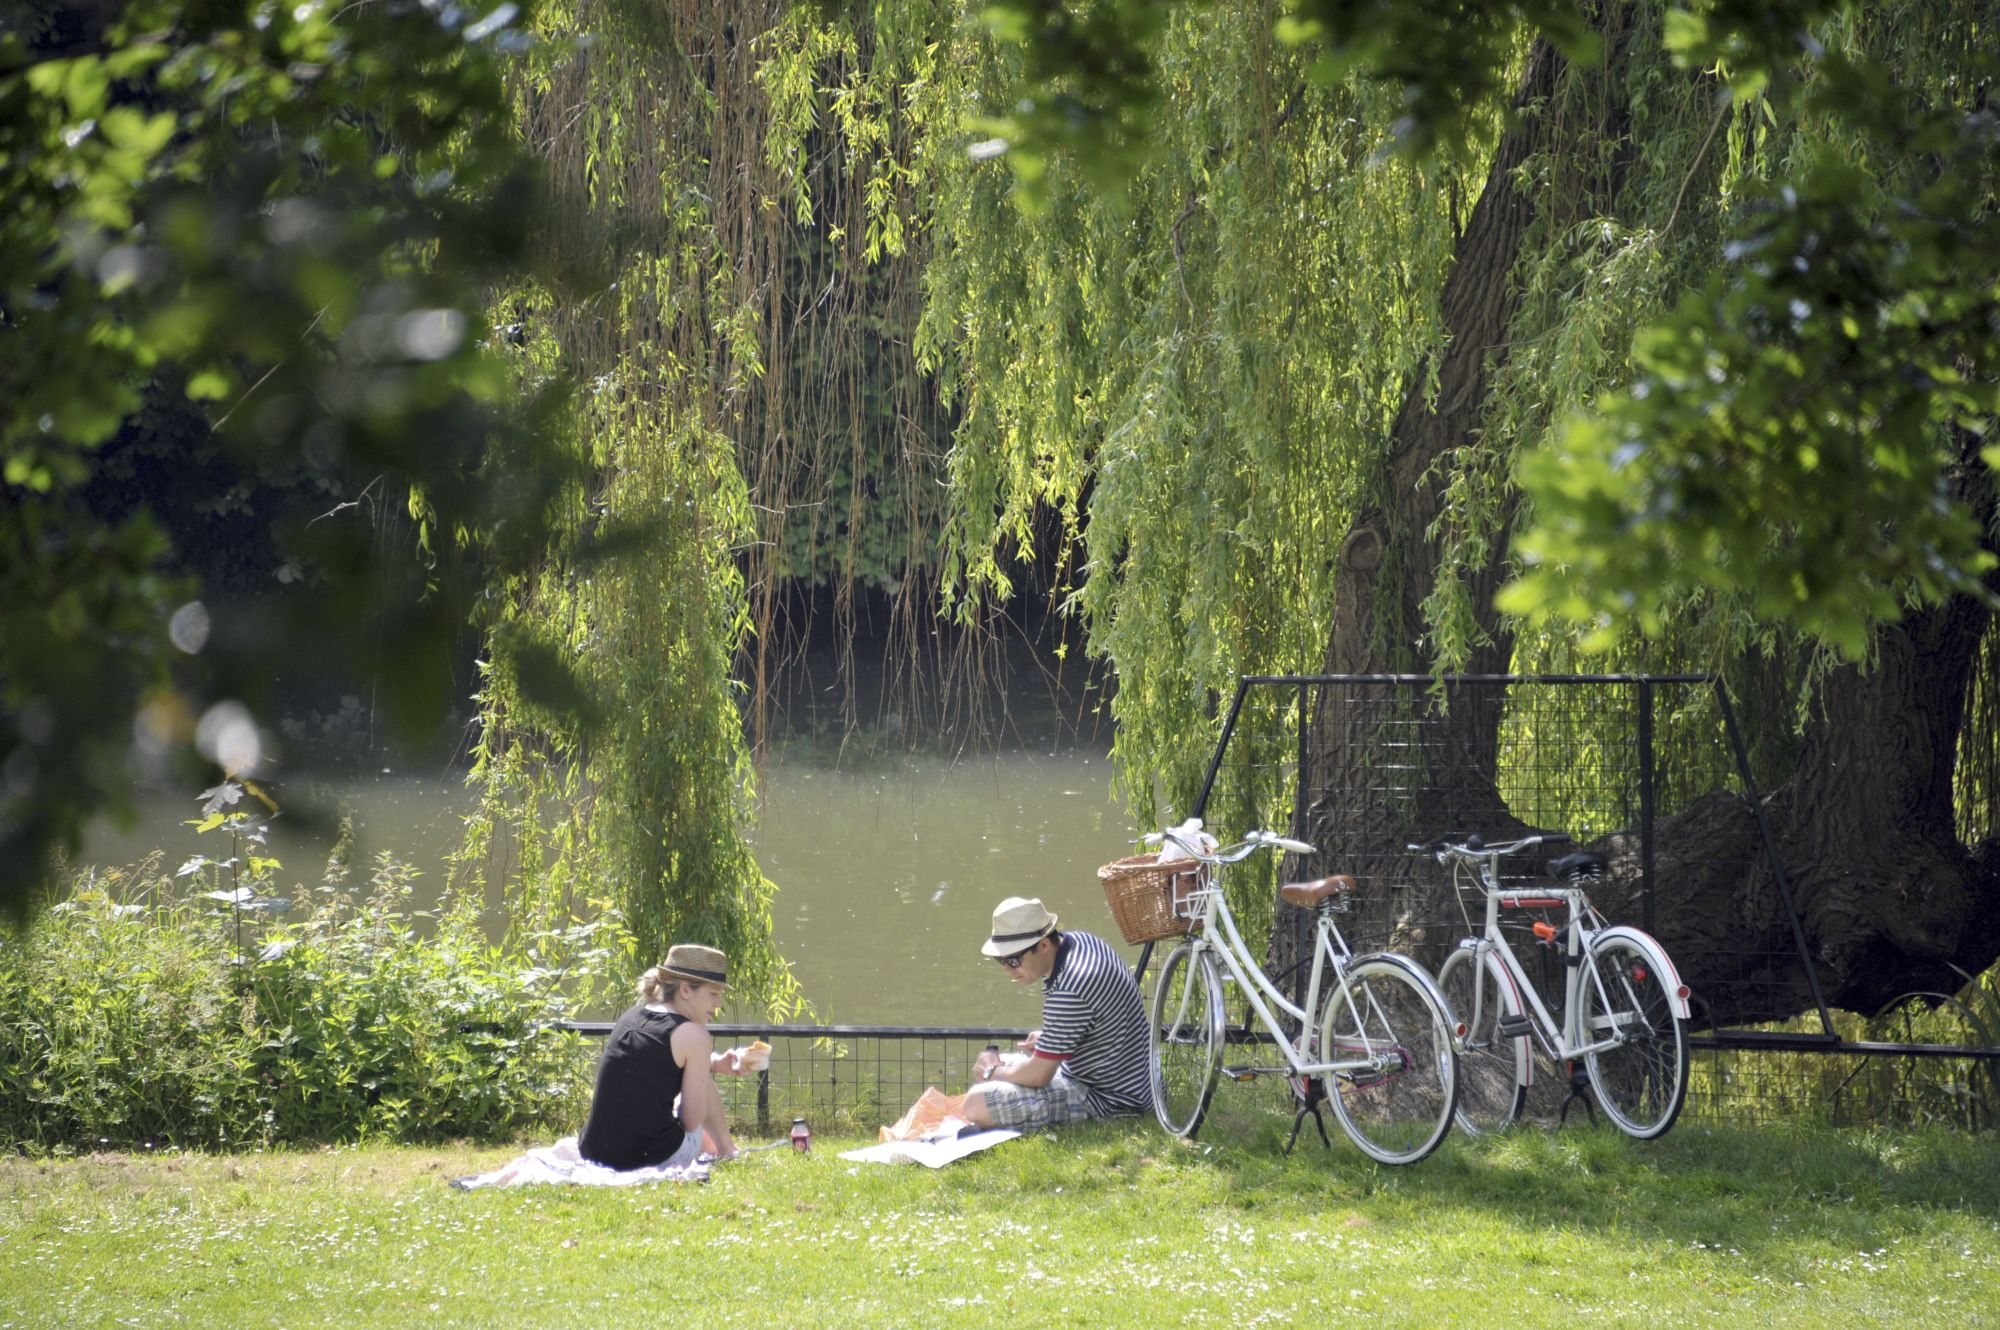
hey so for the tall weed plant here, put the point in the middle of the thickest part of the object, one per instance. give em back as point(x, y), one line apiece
point(195, 1008)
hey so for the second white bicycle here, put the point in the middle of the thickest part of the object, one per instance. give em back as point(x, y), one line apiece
point(1624, 1008)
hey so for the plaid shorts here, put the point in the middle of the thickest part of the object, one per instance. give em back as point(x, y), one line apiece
point(1030, 1108)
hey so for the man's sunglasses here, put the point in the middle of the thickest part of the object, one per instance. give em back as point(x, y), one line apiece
point(1013, 962)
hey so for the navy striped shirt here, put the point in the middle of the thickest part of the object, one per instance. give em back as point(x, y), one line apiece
point(1094, 1023)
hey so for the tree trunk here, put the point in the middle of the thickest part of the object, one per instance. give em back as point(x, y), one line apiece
point(1389, 559)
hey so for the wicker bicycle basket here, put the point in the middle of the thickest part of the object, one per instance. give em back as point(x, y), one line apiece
point(1149, 899)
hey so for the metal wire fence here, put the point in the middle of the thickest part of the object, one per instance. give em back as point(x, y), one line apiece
point(843, 1075)
point(863, 1077)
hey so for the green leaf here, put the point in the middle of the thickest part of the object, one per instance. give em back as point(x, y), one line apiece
point(1685, 32)
point(84, 85)
point(210, 385)
point(128, 128)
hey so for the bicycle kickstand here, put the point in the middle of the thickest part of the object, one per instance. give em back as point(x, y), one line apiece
point(1579, 1093)
point(1315, 1093)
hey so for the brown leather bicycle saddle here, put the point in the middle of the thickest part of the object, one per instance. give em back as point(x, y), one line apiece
point(1312, 893)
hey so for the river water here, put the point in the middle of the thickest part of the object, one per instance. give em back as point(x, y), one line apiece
point(887, 875)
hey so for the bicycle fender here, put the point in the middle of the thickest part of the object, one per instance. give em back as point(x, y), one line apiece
point(1492, 963)
point(1646, 942)
point(1519, 1010)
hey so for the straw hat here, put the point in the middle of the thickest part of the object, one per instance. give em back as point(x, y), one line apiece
point(692, 961)
point(1018, 923)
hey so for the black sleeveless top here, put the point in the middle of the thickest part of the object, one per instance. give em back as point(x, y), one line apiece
point(632, 1122)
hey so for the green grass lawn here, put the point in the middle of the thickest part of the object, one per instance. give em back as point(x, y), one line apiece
point(1109, 1225)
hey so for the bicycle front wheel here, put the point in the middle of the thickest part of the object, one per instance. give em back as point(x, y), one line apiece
point(1396, 1084)
point(1641, 1081)
point(1186, 1034)
point(1493, 1067)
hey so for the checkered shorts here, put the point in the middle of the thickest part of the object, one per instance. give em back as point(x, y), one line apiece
point(1030, 1108)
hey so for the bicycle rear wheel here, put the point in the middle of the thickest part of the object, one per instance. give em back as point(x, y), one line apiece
point(1493, 1068)
point(1186, 1035)
point(1397, 1095)
point(1641, 1081)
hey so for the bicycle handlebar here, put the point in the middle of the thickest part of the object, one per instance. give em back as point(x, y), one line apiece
point(1252, 842)
point(1472, 849)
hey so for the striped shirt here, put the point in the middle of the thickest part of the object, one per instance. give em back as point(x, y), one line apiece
point(1094, 1024)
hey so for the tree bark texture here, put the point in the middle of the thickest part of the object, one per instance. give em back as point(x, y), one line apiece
point(1389, 559)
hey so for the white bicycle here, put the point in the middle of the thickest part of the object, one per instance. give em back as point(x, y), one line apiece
point(1624, 1007)
point(1375, 1035)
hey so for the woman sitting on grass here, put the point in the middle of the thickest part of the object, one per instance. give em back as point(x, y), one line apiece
point(656, 1101)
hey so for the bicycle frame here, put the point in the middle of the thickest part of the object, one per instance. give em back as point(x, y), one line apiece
point(1374, 1038)
point(1215, 932)
point(1565, 1039)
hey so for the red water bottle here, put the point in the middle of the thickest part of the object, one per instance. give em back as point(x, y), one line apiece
point(802, 1136)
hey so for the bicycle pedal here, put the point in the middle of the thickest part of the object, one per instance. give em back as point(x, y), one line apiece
point(1240, 1073)
point(1512, 1027)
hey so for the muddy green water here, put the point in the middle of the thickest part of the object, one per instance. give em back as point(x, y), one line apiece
point(887, 877)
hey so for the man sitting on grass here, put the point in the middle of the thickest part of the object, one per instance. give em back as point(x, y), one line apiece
point(1089, 1059)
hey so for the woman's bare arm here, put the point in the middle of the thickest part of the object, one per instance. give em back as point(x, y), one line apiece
point(701, 1100)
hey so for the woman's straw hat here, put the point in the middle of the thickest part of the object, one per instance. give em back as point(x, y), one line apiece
point(1019, 923)
point(692, 961)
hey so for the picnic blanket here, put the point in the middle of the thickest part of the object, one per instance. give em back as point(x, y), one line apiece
point(562, 1162)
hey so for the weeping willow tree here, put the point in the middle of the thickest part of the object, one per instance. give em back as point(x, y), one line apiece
point(737, 181)
point(1193, 376)
point(1260, 405)
point(1214, 534)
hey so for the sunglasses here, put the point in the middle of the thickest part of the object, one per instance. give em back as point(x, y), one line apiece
point(1013, 962)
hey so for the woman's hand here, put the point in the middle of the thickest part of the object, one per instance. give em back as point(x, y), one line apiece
point(739, 1061)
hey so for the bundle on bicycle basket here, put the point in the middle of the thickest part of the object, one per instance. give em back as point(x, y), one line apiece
point(1147, 897)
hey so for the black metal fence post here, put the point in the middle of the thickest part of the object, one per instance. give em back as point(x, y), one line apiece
point(1647, 912)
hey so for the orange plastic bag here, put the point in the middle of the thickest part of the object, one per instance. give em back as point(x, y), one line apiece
point(932, 1109)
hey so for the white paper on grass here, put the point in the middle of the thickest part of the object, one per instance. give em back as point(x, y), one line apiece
point(931, 1154)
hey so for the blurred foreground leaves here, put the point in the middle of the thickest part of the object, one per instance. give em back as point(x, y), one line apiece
point(291, 214)
point(1812, 433)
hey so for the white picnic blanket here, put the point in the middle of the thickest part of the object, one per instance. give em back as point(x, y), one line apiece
point(933, 1151)
point(561, 1162)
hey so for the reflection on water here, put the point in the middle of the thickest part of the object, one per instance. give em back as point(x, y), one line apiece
point(887, 881)
point(886, 878)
